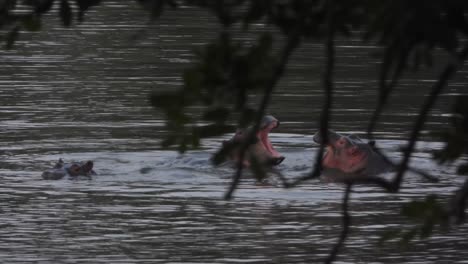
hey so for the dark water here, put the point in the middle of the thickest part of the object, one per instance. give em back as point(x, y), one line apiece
point(82, 93)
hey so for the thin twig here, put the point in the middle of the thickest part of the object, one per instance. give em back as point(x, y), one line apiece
point(446, 75)
point(423, 174)
point(458, 204)
point(292, 42)
point(384, 89)
point(328, 89)
point(346, 224)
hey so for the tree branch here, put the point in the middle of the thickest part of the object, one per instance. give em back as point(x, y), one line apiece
point(346, 224)
point(328, 89)
point(447, 74)
point(292, 42)
point(458, 204)
point(384, 89)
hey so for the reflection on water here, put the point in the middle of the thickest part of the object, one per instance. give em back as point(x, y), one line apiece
point(81, 94)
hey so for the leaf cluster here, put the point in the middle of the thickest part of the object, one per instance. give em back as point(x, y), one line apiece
point(410, 30)
point(455, 136)
point(220, 80)
point(17, 15)
point(426, 215)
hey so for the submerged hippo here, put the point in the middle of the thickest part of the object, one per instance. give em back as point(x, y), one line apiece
point(61, 169)
point(261, 149)
point(350, 155)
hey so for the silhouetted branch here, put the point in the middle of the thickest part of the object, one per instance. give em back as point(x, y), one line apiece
point(458, 205)
point(292, 42)
point(328, 88)
point(384, 89)
point(237, 176)
point(346, 224)
point(425, 175)
point(449, 71)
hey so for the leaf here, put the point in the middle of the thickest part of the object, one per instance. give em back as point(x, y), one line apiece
point(84, 5)
point(462, 169)
point(257, 9)
point(193, 80)
point(11, 37)
point(426, 229)
point(265, 44)
point(388, 235)
point(421, 209)
point(31, 23)
point(42, 6)
point(167, 100)
point(172, 3)
point(65, 13)
point(407, 237)
point(156, 7)
point(211, 130)
point(345, 30)
point(218, 115)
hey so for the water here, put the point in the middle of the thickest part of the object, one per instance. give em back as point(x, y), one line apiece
point(82, 93)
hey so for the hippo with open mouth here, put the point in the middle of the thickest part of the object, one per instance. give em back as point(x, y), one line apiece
point(73, 169)
point(349, 155)
point(262, 149)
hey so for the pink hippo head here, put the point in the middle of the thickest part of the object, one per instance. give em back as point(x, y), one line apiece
point(261, 149)
point(345, 153)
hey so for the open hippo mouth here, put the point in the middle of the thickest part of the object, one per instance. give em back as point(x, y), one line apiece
point(267, 125)
point(358, 160)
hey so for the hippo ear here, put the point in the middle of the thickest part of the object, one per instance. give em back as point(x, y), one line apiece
point(59, 164)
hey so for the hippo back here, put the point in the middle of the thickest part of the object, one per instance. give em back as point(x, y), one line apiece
point(54, 174)
point(62, 169)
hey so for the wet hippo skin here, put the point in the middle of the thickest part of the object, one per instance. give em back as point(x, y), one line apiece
point(350, 155)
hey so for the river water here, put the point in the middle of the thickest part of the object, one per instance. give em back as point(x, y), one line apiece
point(82, 94)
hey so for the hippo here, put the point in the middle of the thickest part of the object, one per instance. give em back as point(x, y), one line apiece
point(261, 149)
point(350, 156)
point(73, 169)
